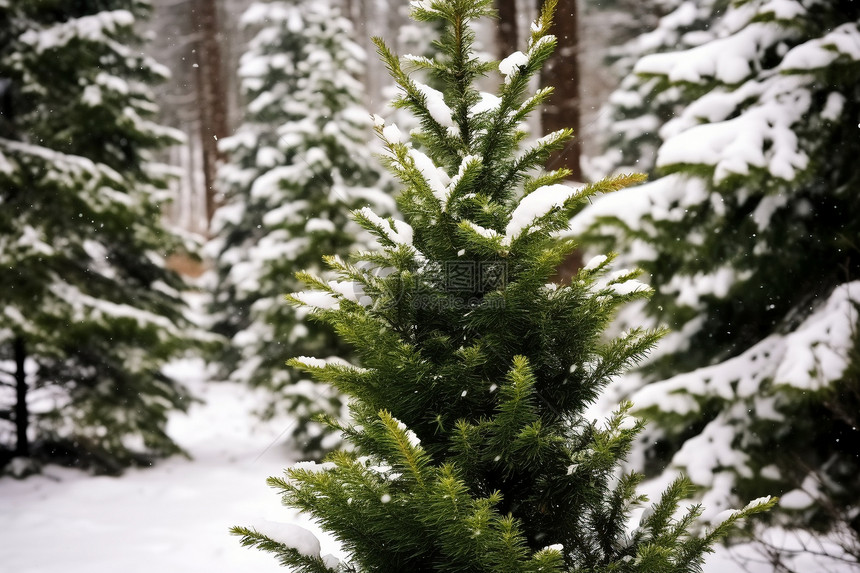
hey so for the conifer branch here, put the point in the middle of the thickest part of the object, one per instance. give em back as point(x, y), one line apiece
point(287, 556)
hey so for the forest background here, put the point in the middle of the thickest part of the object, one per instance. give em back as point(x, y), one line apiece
point(744, 115)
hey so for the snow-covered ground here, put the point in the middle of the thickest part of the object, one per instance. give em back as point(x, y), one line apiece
point(171, 518)
point(175, 516)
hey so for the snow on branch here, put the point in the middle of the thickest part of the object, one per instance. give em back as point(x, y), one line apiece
point(290, 535)
point(535, 205)
point(398, 232)
point(762, 136)
point(436, 106)
point(821, 52)
point(95, 28)
point(727, 60)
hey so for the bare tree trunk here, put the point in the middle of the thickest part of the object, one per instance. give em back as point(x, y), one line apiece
point(506, 32)
point(22, 414)
point(507, 41)
point(211, 92)
point(562, 72)
point(350, 9)
point(563, 108)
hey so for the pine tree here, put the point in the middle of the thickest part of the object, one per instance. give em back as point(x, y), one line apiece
point(750, 239)
point(89, 312)
point(471, 449)
point(299, 164)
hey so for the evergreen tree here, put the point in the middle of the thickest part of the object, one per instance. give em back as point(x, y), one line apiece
point(300, 162)
point(471, 447)
point(89, 312)
point(750, 239)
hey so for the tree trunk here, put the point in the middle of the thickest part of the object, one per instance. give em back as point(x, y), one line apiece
point(562, 72)
point(22, 415)
point(563, 108)
point(506, 32)
point(350, 10)
point(210, 88)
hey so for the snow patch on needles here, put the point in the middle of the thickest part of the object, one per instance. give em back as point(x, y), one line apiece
point(834, 106)
point(595, 262)
point(483, 231)
point(392, 134)
point(402, 233)
point(488, 102)
point(511, 65)
point(32, 238)
point(540, 43)
point(629, 287)
point(758, 502)
point(730, 513)
point(312, 362)
point(436, 178)
point(436, 105)
point(291, 535)
point(821, 345)
point(410, 435)
point(766, 208)
point(317, 299)
point(537, 204)
point(351, 290)
point(421, 60)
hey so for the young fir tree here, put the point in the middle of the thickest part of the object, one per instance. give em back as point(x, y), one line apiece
point(299, 163)
point(750, 239)
point(89, 312)
point(471, 447)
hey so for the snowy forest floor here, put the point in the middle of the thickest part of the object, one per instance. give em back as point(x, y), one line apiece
point(175, 516)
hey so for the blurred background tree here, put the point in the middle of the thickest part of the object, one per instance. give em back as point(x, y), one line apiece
point(749, 234)
point(90, 313)
point(298, 164)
